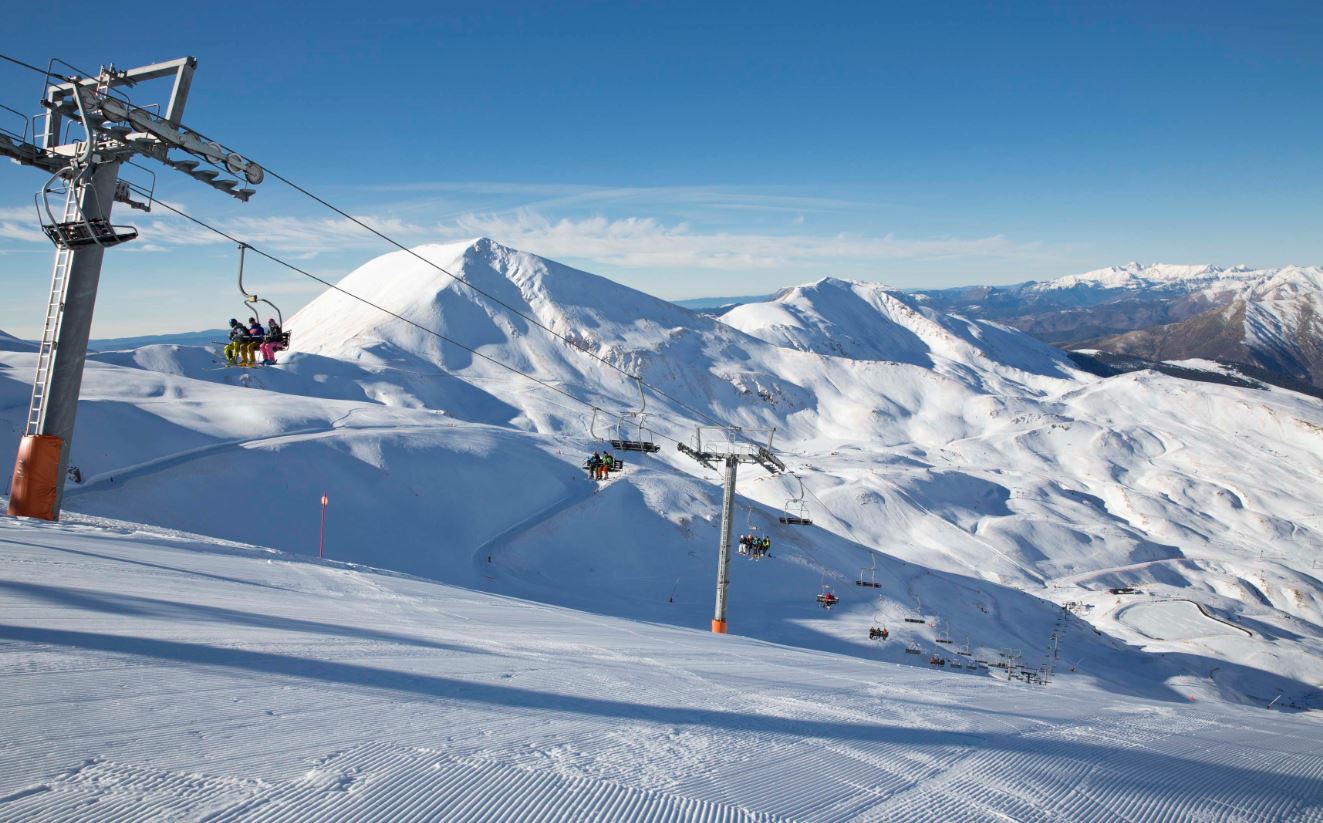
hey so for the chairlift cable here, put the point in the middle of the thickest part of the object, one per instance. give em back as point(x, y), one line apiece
point(536, 322)
point(37, 69)
point(273, 258)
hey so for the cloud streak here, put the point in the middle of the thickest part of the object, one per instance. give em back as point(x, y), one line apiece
point(646, 243)
point(626, 242)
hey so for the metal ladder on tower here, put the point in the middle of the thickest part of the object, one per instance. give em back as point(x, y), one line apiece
point(50, 332)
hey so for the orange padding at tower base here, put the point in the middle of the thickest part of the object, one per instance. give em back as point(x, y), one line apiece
point(36, 476)
point(719, 626)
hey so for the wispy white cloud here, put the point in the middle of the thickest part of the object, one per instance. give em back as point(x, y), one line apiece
point(647, 243)
point(625, 242)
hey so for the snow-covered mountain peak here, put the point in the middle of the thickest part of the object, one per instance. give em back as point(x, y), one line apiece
point(1139, 275)
point(870, 321)
point(478, 291)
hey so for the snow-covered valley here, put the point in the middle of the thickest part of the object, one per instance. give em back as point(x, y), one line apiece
point(994, 492)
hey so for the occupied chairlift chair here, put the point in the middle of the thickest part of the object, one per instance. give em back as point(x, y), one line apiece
point(827, 599)
point(642, 438)
point(617, 462)
point(796, 510)
point(754, 550)
point(250, 301)
point(878, 631)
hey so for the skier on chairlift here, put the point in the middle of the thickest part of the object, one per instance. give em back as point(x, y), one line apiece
point(594, 463)
point(272, 343)
point(233, 348)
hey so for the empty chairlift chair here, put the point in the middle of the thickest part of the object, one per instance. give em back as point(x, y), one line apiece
point(796, 510)
point(868, 575)
point(632, 434)
point(73, 229)
point(917, 615)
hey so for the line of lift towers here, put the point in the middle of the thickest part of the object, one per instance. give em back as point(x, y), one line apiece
point(88, 131)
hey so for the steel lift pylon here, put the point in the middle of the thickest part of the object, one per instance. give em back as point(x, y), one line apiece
point(86, 173)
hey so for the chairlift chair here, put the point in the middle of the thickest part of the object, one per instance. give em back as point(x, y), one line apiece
point(251, 301)
point(827, 599)
point(617, 462)
point(635, 423)
point(868, 575)
point(796, 510)
point(945, 639)
point(913, 647)
point(937, 660)
point(917, 615)
point(75, 230)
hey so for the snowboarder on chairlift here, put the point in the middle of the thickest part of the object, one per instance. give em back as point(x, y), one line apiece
point(594, 463)
point(608, 463)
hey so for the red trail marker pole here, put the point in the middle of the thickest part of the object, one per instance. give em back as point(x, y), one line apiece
point(321, 541)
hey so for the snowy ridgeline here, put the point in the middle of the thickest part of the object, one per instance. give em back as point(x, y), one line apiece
point(156, 676)
point(971, 471)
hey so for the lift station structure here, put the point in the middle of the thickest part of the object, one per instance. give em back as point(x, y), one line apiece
point(74, 209)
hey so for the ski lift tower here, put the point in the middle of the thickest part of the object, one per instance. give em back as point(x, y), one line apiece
point(84, 184)
point(730, 450)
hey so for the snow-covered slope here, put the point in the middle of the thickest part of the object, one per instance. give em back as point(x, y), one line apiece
point(10, 343)
point(972, 470)
point(156, 676)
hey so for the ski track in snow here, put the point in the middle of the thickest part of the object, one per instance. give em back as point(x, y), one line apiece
point(149, 678)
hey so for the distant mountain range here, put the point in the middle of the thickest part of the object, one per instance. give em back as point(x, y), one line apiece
point(1266, 319)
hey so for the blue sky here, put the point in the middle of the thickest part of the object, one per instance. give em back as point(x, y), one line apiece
point(692, 149)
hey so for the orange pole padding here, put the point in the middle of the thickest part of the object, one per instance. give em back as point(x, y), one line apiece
point(36, 477)
point(719, 626)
